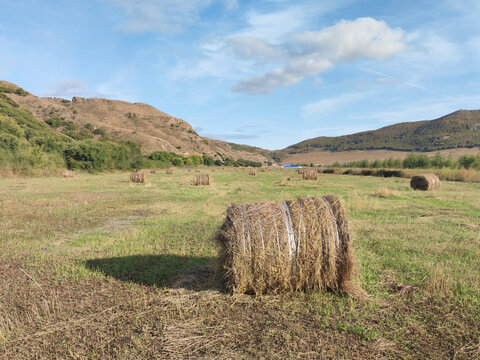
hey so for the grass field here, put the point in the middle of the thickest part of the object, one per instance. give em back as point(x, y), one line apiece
point(96, 267)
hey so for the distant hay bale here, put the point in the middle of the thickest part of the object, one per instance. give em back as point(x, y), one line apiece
point(328, 171)
point(202, 179)
point(310, 174)
point(138, 177)
point(169, 171)
point(252, 172)
point(68, 174)
point(153, 171)
point(425, 182)
point(261, 170)
point(296, 245)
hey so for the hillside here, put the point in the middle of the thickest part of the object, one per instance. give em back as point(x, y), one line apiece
point(460, 129)
point(151, 129)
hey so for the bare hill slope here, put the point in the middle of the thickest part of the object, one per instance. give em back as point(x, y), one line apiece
point(152, 129)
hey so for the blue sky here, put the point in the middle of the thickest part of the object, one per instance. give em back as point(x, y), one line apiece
point(264, 73)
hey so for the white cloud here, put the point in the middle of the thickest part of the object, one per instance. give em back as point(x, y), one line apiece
point(291, 74)
point(349, 40)
point(312, 52)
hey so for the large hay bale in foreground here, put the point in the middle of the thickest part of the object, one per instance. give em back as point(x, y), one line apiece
point(425, 182)
point(202, 179)
point(68, 174)
point(310, 174)
point(252, 172)
point(138, 177)
point(297, 245)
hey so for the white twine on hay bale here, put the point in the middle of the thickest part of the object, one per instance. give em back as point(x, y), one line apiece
point(310, 174)
point(425, 182)
point(297, 245)
point(202, 179)
point(138, 177)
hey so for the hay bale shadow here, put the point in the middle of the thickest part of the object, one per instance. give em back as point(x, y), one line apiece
point(169, 270)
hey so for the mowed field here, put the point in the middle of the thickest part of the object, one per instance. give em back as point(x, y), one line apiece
point(330, 157)
point(96, 267)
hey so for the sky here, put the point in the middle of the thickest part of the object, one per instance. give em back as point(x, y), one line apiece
point(265, 73)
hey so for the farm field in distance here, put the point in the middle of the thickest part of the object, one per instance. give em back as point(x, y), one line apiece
point(97, 267)
point(330, 157)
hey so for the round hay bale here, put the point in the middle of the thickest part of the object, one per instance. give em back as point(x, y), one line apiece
point(169, 171)
point(261, 170)
point(310, 174)
point(202, 179)
point(153, 171)
point(297, 245)
point(252, 172)
point(425, 182)
point(138, 177)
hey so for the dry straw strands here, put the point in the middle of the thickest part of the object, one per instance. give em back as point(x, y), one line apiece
point(252, 172)
point(202, 179)
point(169, 172)
point(425, 182)
point(297, 245)
point(138, 177)
point(68, 174)
point(310, 174)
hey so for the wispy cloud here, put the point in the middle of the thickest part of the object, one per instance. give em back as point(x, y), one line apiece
point(324, 106)
point(164, 16)
point(68, 89)
point(230, 136)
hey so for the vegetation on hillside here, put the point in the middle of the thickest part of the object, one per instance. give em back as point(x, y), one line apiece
point(27, 144)
point(456, 130)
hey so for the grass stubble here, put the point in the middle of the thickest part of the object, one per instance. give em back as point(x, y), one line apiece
point(103, 268)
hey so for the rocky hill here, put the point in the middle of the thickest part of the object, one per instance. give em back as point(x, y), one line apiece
point(460, 129)
point(140, 123)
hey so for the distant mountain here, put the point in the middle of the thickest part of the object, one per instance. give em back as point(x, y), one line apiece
point(460, 129)
point(140, 123)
